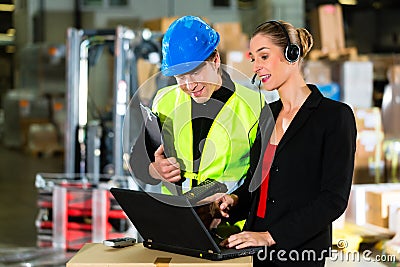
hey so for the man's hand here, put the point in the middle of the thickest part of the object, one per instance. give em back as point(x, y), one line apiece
point(163, 168)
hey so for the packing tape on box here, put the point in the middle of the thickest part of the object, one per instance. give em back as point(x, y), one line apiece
point(162, 262)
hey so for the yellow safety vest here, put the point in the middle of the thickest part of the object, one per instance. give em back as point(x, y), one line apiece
point(225, 154)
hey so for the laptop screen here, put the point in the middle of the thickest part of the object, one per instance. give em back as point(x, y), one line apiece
point(164, 219)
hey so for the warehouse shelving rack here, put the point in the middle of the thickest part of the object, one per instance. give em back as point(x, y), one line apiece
point(76, 207)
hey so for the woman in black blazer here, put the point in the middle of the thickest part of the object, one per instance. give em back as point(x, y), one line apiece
point(301, 182)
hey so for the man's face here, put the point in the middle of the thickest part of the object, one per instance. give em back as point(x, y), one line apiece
point(201, 82)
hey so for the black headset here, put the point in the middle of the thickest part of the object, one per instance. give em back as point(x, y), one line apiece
point(292, 51)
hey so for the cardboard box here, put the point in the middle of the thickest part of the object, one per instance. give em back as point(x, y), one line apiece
point(95, 254)
point(228, 29)
point(162, 24)
point(394, 74)
point(317, 72)
point(239, 42)
point(356, 209)
point(368, 119)
point(377, 212)
point(356, 80)
point(369, 163)
point(326, 23)
point(239, 66)
point(159, 24)
point(369, 158)
point(232, 36)
point(147, 81)
point(42, 139)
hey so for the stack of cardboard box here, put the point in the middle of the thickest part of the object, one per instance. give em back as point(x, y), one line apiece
point(356, 82)
point(381, 206)
point(232, 36)
point(319, 72)
point(147, 70)
point(233, 49)
point(159, 24)
point(328, 33)
point(162, 24)
point(369, 155)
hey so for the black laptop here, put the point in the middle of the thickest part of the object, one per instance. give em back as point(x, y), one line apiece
point(170, 223)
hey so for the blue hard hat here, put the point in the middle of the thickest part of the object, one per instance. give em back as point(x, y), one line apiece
point(186, 44)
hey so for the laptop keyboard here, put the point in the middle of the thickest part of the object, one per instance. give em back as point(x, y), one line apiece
point(229, 253)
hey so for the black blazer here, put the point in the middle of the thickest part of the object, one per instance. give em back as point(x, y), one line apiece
point(310, 177)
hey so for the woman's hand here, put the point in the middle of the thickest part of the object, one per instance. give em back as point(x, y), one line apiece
point(163, 168)
point(249, 239)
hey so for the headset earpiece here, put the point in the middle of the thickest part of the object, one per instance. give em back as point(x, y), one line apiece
point(292, 53)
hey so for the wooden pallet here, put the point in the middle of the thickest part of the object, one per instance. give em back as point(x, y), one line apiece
point(45, 152)
point(347, 53)
point(43, 141)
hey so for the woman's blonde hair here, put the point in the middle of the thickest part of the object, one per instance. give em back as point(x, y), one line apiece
point(298, 36)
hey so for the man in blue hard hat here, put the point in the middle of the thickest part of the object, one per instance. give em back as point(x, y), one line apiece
point(209, 121)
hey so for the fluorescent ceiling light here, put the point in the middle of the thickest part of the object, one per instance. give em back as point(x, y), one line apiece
point(10, 49)
point(10, 32)
point(6, 40)
point(6, 7)
point(348, 2)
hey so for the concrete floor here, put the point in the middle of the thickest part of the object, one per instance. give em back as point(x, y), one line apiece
point(18, 197)
point(18, 209)
point(18, 194)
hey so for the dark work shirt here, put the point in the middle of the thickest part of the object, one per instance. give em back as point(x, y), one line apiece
point(203, 115)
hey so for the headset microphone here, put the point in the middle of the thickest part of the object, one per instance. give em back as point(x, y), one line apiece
point(253, 80)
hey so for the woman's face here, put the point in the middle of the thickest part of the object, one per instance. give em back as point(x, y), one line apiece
point(201, 83)
point(269, 62)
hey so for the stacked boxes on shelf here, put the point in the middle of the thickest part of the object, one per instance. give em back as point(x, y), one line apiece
point(356, 79)
point(379, 203)
point(327, 28)
point(239, 66)
point(369, 163)
point(371, 204)
point(159, 24)
point(232, 36)
point(74, 210)
point(318, 72)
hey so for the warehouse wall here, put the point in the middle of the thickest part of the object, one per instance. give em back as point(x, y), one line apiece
point(102, 18)
point(59, 14)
